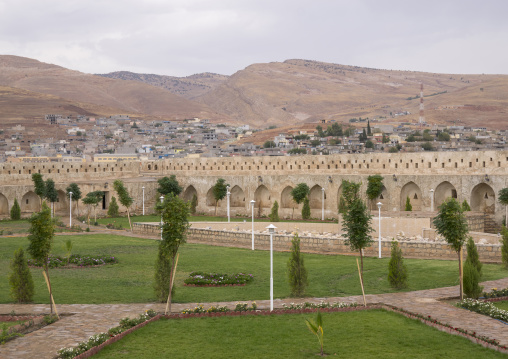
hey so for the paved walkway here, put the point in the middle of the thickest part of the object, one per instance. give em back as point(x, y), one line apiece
point(89, 319)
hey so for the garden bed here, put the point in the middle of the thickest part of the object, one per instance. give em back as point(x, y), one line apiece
point(75, 261)
point(29, 323)
point(202, 279)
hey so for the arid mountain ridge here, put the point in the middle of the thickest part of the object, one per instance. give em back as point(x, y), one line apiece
point(290, 93)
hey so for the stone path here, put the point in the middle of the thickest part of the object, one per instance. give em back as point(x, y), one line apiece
point(89, 319)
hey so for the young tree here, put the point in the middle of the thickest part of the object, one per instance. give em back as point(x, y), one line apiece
point(22, 284)
point(40, 186)
point(306, 209)
point(297, 274)
point(169, 185)
point(113, 208)
point(472, 271)
point(317, 329)
point(124, 198)
point(274, 214)
point(397, 270)
point(219, 191)
point(451, 223)
point(374, 187)
point(504, 246)
point(42, 231)
point(76, 194)
point(503, 199)
point(175, 212)
point(356, 222)
point(193, 204)
point(408, 207)
point(51, 194)
point(465, 206)
point(92, 199)
point(15, 210)
point(299, 193)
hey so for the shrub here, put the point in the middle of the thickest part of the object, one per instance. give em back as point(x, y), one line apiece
point(397, 270)
point(162, 275)
point(409, 207)
point(306, 209)
point(465, 206)
point(113, 208)
point(504, 247)
point(274, 214)
point(472, 271)
point(194, 204)
point(297, 274)
point(15, 210)
point(22, 285)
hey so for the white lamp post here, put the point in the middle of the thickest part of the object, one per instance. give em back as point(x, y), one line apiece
point(228, 194)
point(271, 228)
point(143, 188)
point(162, 199)
point(432, 200)
point(323, 204)
point(70, 209)
point(379, 204)
point(252, 205)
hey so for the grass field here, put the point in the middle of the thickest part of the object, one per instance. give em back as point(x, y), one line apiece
point(501, 304)
point(130, 281)
point(362, 334)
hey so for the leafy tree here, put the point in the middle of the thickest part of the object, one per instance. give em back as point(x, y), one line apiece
point(408, 207)
point(269, 144)
point(411, 138)
point(15, 210)
point(369, 131)
point(374, 186)
point(297, 274)
point(297, 151)
point(274, 214)
point(369, 144)
point(162, 276)
point(472, 271)
point(51, 194)
point(76, 194)
point(503, 199)
point(334, 130)
point(169, 185)
point(504, 246)
point(92, 200)
point(174, 212)
point(315, 143)
point(451, 223)
point(306, 209)
point(42, 231)
point(443, 136)
point(427, 146)
point(299, 193)
point(356, 222)
point(428, 137)
point(20, 280)
point(317, 329)
point(397, 270)
point(320, 131)
point(465, 206)
point(386, 139)
point(393, 150)
point(40, 186)
point(193, 204)
point(125, 199)
point(219, 190)
point(113, 208)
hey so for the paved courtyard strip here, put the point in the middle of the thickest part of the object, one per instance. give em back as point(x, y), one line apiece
point(83, 320)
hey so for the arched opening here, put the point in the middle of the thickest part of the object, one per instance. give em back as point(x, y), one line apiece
point(189, 192)
point(210, 200)
point(443, 191)
point(61, 202)
point(414, 193)
point(339, 195)
point(237, 198)
point(316, 197)
point(483, 199)
point(286, 200)
point(384, 198)
point(30, 203)
point(262, 198)
point(4, 205)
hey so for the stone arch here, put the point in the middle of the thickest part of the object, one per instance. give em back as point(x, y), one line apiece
point(262, 197)
point(315, 197)
point(237, 197)
point(30, 202)
point(61, 201)
point(339, 194)
point(414, 193)
point(384, 198)
point(210, 200)
point(286, 200)
point(483, 198)
point(189, 192)
point(443, 191)
point(4, 205)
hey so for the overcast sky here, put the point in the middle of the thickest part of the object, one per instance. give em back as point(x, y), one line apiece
point(183, 37)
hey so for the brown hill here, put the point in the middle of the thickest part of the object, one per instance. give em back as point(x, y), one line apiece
point(189, 87)
point(123, 97)
point(299, 91)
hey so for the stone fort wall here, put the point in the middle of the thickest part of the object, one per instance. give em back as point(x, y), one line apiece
point(475, 177)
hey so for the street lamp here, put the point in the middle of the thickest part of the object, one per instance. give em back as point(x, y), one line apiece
point(379, 204)
point(70, 209)
point(143, 188)
point(432, 200)
point(162, 199)
point(252, 205)
point(323, 204)
point(228, 194)
point(271, 228)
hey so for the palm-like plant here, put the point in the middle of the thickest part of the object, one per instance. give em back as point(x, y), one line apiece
point(317, 329)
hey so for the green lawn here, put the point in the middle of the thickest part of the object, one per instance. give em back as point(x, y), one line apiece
point(130, 281)
point(362, 334)
point(501, 304)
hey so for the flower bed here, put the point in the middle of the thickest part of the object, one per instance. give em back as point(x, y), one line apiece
point(484, 308)
point(30, 324)
point(217, 279)
point(75, 260)
point(496, 293)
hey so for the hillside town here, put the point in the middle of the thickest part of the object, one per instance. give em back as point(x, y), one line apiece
point(118, 138)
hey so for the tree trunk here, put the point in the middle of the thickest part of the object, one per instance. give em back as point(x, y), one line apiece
point(129, 217)
point(361, 263)
point(461, 275)
point(171, 280)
